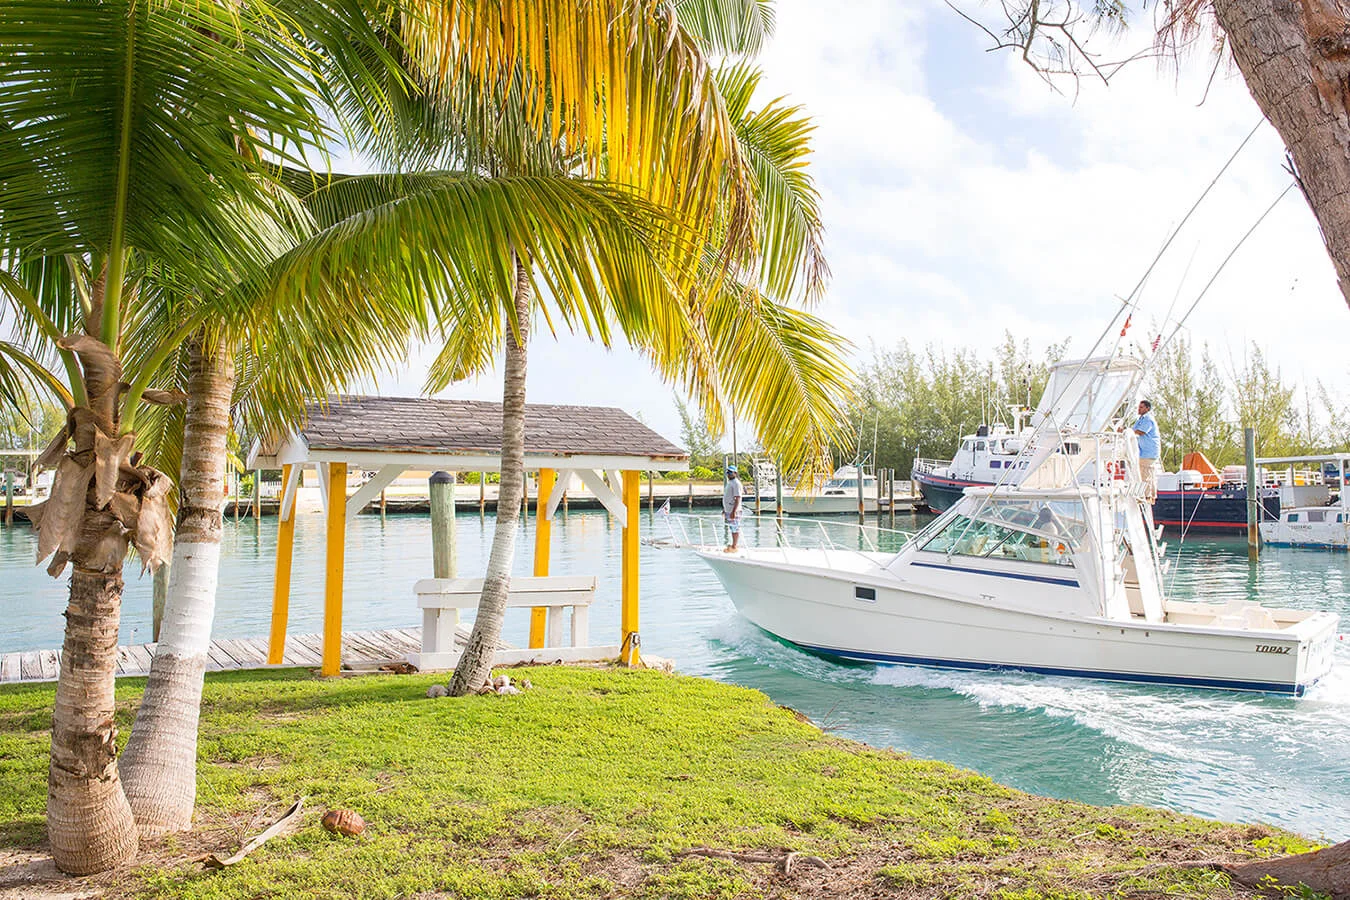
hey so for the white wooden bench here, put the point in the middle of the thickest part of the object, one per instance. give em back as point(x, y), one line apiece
point(564, 596)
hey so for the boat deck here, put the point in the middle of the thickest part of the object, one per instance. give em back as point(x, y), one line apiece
point(360, 649)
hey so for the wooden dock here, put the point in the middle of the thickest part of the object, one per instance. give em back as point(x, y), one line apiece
point(360, 650)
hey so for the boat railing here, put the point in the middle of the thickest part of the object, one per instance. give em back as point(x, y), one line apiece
point(924, 466)
point(789, 533)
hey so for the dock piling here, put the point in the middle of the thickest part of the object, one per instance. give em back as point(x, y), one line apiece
point(778, 490)
point(1253, 495)
point(9, 498)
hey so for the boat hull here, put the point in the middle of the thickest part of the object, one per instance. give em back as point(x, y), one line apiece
point(1214, 511)
point(819, 610)
point(940, 493)
point(825, 505)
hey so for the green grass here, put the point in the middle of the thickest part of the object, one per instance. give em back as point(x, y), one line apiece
point(591, 784)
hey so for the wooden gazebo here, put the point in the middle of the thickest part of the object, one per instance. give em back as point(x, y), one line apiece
point(607, 449)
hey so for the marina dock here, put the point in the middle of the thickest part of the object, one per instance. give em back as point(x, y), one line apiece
point(360, 650)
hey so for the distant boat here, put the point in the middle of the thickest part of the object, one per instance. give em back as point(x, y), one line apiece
point(981, 460)
point(1060, 573)
point(837, 495)
point(1324, 526)
point(1200, 498)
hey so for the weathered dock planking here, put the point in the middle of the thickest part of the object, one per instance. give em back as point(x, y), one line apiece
point(360, 649)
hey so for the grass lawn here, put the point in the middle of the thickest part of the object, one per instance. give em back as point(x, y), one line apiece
point(592, 784)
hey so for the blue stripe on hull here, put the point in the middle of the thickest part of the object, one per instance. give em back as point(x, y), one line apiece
point(1067, 582)
point(1177, 680)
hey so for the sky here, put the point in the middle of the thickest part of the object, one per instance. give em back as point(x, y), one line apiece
point(963, 197)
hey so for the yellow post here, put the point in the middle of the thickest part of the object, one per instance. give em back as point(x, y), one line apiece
point(281, 585)
point(332, 585)
point(542, 526)
point(629, 649)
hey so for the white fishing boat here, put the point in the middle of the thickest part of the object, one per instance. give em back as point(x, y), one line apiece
point(1060, 574)
point(836, 495)
point(1325, 526)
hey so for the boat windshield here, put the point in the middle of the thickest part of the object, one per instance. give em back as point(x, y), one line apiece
point(1037, 531)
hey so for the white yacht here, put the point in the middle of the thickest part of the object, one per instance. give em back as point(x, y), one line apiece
point(1060, 573)
point(836, 495)
point(1325, 526)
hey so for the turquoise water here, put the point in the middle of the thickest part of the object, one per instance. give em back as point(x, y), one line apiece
point(1231, 756)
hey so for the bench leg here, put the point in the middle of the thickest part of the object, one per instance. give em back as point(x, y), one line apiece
point(438, 630)
point(555, 627)
point(581, 617)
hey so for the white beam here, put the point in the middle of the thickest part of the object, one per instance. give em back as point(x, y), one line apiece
point(288, 489)
point(555, 496)
point(371, 489)
point(491, 462)
point(612, 501)
point(322, 469)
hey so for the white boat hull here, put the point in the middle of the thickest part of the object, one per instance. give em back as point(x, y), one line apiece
point(816, 606)
point(825, 505)
point(1314, 535)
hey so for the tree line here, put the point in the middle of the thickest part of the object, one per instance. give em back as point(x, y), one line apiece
point(921, 402)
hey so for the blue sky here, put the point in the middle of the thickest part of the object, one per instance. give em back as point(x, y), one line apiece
point(962, 198)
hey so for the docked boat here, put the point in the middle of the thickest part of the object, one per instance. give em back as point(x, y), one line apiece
point(982, 459)
point(1201, 498)
point(1060, 573)
point(1324, 526)
point(836, 495)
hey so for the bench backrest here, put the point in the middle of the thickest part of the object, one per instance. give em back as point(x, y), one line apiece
point(549, 590)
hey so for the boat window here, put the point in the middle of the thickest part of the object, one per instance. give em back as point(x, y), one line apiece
point(1317, 515)
point(979, 445)
point(848, 482)
point(995, 463)
point(966, 445)
point(964, 536)
point(1293, 517)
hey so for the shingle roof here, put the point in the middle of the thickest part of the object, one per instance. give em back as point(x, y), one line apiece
point(422, 425)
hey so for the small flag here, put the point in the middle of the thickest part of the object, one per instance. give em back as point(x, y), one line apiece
point(1127, 324)
point(665, 508)
point(1156, 341)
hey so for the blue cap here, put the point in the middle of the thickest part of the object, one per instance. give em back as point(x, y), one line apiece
point(733, 470)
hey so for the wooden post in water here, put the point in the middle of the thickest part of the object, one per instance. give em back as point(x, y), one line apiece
point(384, 505)
point(442, 489)
point(257, 494)
point(161, 595)
point(651, 491)
point(236, 495)
point(1253, 494)
point(9, 497)
point(691, 491)
point(482, 492)
point(890, 488)
point(778, 489)
point(862, 507)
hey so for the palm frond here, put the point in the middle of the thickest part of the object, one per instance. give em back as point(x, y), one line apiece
point(728, 27)
point(775, 143)
point(118, 127)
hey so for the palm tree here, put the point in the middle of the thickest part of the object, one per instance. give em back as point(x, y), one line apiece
point(343, 261)
point(145, 147)
point(727, 341)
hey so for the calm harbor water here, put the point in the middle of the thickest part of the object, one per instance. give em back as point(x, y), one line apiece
point(1231, 756)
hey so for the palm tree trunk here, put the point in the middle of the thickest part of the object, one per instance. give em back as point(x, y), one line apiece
point(89, 823)
point(1295, 58)
point(476, 662)
point(159, 765)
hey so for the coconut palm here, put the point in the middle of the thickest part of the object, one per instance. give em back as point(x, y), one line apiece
point(725, 341)
point(144, 148)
